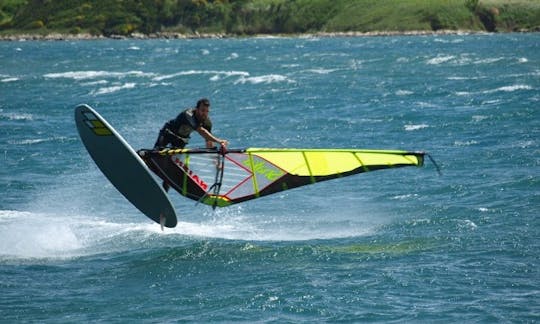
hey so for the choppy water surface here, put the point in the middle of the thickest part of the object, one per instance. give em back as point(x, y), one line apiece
point(396, 245)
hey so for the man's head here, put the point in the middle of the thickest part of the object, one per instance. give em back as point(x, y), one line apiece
point(203, 109)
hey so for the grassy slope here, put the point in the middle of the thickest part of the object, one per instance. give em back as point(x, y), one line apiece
point(366, 15)
point(514, 14)
point(265, 16)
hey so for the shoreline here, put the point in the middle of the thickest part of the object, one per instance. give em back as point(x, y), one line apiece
point(174, 35)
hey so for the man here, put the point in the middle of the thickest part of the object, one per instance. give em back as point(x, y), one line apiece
point(176, 132)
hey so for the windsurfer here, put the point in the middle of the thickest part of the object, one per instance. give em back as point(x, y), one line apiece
point(176, 132)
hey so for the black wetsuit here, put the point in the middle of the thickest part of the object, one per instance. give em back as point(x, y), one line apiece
point(177, 131)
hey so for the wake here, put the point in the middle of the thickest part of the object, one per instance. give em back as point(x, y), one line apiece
point(45, 236)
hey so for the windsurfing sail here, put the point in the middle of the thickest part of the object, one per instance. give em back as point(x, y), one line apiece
point(220, 178)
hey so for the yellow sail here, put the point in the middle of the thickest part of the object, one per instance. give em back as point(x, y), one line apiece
point(244, 174)
point(324, 162)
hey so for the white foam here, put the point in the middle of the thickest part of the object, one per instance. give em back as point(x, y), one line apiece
point(405, 197)
point(404, 93)
point(440, 59)
point(479, 118)
point(53, 234)
point(449, 41)
point(465, 143)
point(267, 79)
point(112, 89)
point(415, 127)
point(491, 102)
point(98, 82)
point(322, 71)
point(460, 78)
point(86, 75)
point(233, 56)
point(467, 224)
point(515, 87)
point(27, 235)
point(9, 79)
point(17, 116)
point(402, 60)
point(270, 232)
point(201, 72)
point(35, 140)
point(524, 144)
point(509, 88)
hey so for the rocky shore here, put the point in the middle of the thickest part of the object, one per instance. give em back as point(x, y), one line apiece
point(173, 35)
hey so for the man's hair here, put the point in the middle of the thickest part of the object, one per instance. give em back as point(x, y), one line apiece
point(204, 102)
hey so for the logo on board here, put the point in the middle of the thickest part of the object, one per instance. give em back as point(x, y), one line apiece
point(95, 124)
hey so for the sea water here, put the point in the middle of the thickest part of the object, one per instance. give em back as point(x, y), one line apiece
point(401, 245)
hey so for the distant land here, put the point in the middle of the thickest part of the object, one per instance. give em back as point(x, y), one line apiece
point(59, 19)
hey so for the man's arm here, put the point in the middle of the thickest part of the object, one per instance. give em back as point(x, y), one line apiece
point(210, 139)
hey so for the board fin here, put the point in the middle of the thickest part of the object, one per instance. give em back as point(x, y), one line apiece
point(162, 221)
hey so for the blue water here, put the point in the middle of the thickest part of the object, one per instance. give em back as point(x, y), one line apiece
point(404, 245)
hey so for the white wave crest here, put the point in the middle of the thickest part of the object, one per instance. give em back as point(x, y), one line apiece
point(462, 78)
point(9, 79)
point(92, 83)
point(16, 116)
point(510, 88)
point(440, 59)
point(86, 75)
point(449, 41)
point(233, 56)
point(36, 140)
point(467, 224)
point(465, 143)
point(404, 197)
point(479, 118)
point(514, 88)
point(415, 127)
point(270, 78)
point(404, 93)
point(112, 89)
point(489, 60)
point(321, 71)
point(203, 72)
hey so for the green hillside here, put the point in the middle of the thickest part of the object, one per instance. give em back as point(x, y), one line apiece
point(246, 17)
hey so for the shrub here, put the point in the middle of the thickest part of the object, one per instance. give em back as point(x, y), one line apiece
point(36, 24)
